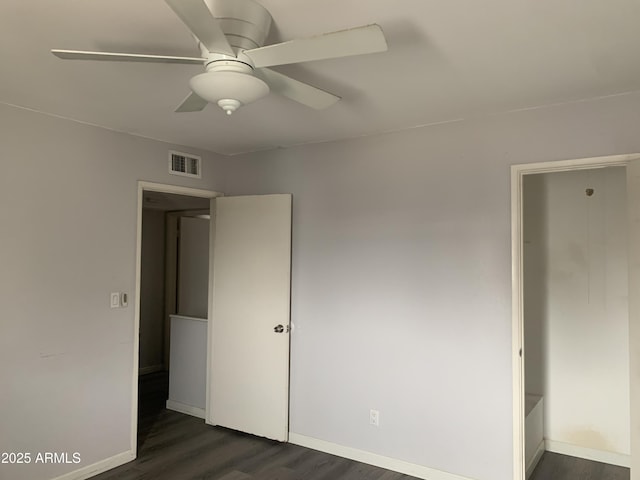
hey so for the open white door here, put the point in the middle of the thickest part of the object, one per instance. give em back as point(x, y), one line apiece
point(249, 311)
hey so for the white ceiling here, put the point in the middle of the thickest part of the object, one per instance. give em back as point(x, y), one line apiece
point(447, 60)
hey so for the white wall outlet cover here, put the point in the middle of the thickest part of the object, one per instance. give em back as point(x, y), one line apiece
point(374, 417)
point(115, 300)
point(124, 299)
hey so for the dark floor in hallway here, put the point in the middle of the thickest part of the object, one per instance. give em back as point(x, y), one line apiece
point(554, 466)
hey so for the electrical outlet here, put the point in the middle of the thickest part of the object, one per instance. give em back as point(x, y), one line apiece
point(124, 300)
point(374, 417)
point(115, 300)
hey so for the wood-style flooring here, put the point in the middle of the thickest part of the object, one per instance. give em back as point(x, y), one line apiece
point(554, 466)
point(173, 446)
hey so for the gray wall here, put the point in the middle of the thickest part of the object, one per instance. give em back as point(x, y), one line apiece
point(68, 200)
point(401, 293)
point(535, 225)
point(193, 267)
point(152, 279)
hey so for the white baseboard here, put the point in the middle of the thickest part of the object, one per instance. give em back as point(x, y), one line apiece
point(99, 467)
point(186, 409)
point(536, 459)
point(603, 456)
point(151, 369)
point(400, 466)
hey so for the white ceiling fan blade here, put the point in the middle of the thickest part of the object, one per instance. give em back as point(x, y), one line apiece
point(196, 15)
point(354, 41)
point(296, 90)
point(193, 103)
point(125, 57)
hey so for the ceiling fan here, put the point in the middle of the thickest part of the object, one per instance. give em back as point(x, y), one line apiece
point(231, 35)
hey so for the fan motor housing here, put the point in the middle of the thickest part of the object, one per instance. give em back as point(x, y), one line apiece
point(245, 23)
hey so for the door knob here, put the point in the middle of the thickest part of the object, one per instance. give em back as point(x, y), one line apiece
point(280, 328)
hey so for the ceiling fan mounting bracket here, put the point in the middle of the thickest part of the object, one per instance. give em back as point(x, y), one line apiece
point(245, 23)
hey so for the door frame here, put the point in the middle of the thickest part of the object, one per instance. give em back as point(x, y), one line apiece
point(517, 313)
point(162, 188)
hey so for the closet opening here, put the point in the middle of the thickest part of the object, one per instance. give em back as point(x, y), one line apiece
point(576, 323)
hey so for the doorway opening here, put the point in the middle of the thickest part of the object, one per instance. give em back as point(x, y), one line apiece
point(171, 304)
point(241, 338)
point(570, 282)
point(576, 321)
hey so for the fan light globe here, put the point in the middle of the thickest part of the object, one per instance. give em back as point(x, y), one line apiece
point(229, 90)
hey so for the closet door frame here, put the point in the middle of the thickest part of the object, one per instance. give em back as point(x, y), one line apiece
point(632, 164)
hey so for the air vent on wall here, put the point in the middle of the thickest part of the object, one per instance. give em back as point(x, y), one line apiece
point(184, 164)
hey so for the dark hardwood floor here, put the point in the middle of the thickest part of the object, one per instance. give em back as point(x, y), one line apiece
point(173, 446)
point(553, 466)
